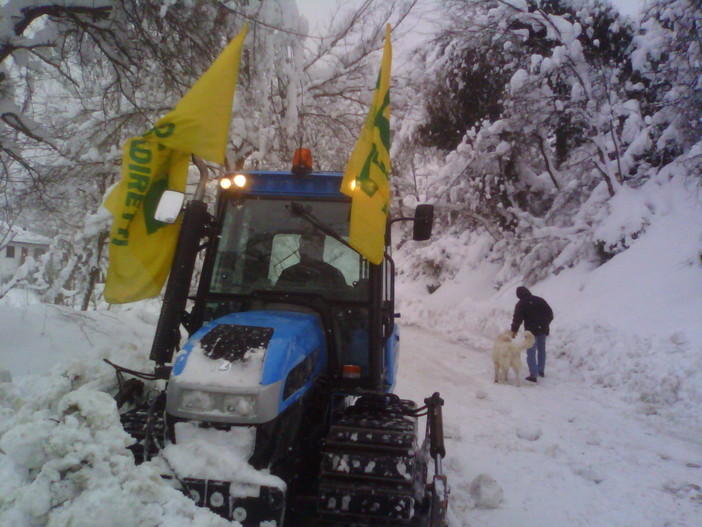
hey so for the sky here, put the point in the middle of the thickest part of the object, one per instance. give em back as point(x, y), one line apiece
point(317, 13)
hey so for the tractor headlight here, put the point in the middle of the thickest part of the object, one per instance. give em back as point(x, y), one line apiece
point(198, 401)
point(238, 405)
point(239, 180)
point(241, 405)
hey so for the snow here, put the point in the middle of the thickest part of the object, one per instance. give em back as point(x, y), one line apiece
point(218, 455)
point(611, 435)
point(18, 235)
point(202, 369)
point(64, 462)
point(486, 493)
point(518, 80)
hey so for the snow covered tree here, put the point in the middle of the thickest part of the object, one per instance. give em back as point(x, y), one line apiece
point(77, 80)
point(546, 111)
point(667, 57)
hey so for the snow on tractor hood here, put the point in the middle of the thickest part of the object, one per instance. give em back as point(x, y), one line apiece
point(246, 368)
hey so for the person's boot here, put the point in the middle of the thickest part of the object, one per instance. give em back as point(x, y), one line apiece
point(531, 378)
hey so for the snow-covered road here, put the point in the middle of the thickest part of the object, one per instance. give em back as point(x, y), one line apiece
point(562, 453)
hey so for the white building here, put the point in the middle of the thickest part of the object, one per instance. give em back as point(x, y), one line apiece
point(18, 245)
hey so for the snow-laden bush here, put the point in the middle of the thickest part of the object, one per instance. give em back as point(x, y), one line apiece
point(592, 118)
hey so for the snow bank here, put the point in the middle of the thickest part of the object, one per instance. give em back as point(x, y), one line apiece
point(631, 325)
point(63, 455)
point(219, 455)
point(66, 464)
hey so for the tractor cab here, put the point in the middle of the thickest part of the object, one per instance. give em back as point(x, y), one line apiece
point(281, 244)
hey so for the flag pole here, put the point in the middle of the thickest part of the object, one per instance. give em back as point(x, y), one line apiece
point(204, 177)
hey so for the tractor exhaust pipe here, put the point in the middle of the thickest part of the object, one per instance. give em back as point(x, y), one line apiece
point(193, 228)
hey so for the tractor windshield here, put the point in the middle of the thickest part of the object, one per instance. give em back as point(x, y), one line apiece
point(266, 246)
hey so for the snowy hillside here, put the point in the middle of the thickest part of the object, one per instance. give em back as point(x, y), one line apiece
point(633, 323)
point(609, 437)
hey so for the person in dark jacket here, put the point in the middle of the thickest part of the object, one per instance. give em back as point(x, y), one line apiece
point(537, 315)
point(312, 270)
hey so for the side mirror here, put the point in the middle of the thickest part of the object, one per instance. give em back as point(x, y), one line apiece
point(169, 206)
point(423, 222)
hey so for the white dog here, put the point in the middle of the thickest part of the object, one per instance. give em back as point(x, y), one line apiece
point(507, 353)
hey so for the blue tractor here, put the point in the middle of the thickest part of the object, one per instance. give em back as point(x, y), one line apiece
point(292, 337)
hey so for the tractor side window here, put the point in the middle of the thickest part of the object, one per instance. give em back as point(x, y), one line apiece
point(229, 265)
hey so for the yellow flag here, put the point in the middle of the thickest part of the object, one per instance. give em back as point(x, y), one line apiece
point(366, 178)
point(141, 248)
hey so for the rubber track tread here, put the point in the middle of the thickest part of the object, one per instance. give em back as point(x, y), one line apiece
point(370, 466)
point(389, 439)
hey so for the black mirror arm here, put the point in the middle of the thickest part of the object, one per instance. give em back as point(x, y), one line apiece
point(402, 218)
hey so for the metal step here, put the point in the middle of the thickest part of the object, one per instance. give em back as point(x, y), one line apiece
point(146, 429)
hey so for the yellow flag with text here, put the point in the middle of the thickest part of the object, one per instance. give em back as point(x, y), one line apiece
point(366, 178)
point(141, 248)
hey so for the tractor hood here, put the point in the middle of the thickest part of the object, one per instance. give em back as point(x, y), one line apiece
point(246, 368)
